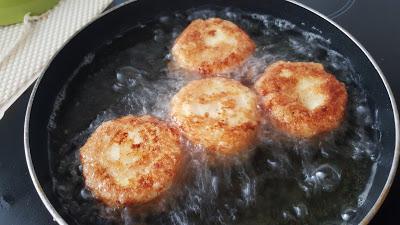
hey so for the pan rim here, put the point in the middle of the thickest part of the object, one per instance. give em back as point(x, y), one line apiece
point(371, 213)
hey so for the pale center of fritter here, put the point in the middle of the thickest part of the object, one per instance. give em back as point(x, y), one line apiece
point(218, 37)
point(307, 90)
point(225, 106)
point(114, 152)
point(286, 73)
point(125, 158)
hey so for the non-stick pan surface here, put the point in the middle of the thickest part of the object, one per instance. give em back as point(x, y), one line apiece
point(131, 14)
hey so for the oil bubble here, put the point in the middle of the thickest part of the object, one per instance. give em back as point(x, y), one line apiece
point(348, 214)
point(324, 178)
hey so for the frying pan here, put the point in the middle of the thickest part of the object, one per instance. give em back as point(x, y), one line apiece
point(112, 22)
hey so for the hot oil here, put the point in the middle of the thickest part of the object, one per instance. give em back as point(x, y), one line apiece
point(283, 181)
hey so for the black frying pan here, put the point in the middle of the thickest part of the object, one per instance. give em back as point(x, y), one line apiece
point(112, 23)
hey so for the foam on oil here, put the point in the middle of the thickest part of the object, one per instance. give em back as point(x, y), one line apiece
point(283, 181)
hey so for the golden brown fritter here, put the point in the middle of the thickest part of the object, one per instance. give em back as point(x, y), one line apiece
point(212, 46)
point(131, 160)
point(217, 113)
point(301, 98)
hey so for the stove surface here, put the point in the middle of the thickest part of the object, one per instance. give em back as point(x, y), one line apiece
point(373, 23)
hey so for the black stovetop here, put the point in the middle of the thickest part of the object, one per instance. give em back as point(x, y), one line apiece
point(373, 23)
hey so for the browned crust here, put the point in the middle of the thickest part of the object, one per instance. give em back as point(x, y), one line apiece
point(216, 134)
point(190, 47)
point(283, 107)
point(160, 153)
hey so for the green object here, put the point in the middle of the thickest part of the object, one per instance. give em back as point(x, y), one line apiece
point(13, 11)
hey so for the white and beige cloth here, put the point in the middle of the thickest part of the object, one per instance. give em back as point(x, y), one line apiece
point(26, 48)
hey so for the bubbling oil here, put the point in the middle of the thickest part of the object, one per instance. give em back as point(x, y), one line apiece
point(282, 181)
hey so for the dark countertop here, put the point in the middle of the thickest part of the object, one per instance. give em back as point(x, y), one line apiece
point(373, 23)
